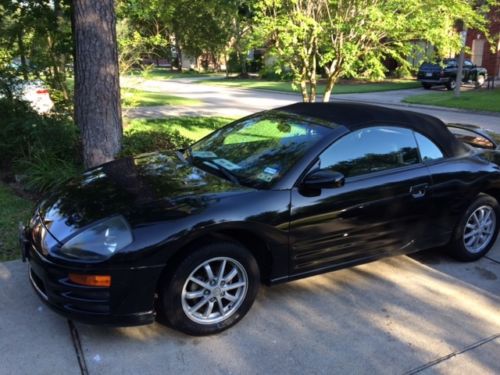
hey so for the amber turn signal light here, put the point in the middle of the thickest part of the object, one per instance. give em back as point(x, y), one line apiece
point(90, 280)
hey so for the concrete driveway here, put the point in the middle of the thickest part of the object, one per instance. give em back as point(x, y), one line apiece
point(224, 101)
point(404, 315)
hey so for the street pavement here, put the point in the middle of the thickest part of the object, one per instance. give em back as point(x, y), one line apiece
point(233, 102)
point(424, 313)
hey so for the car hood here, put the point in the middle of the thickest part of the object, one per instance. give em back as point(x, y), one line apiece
point(149, 188)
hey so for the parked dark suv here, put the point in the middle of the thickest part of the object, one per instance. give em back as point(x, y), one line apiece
point(445, 73)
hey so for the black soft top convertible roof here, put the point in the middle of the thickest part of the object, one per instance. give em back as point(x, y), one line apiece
point(355, 116)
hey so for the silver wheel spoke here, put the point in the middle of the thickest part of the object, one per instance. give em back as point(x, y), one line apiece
point(221, 306)
point(198, 305)
point(199, 282)
point(475, 218)
point(222, 269)
point(209, 272)
point(471, 233)
point(230, 297)
point(192, 295)
point(231, 275)
point(234, 286)
point(471, 241)
point(209, 309)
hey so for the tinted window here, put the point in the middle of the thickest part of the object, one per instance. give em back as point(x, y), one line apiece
point(371, 150)
point(468, 64)
point(450, 63)
point(428, 150)
point(257, 151)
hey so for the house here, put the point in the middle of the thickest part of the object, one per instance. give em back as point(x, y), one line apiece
point(480, 48)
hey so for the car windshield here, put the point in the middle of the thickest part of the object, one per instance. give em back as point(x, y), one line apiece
point(257, 151)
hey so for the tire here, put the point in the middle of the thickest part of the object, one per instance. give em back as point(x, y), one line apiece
point(426, 86)
point(480, 81)
point(467, 246)
point(180, 294)
point(451, 84)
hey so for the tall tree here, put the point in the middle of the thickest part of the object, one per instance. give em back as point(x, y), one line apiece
point(349, 37)
point(97, 85)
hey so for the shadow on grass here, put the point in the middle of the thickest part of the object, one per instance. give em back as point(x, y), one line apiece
point(148, 135)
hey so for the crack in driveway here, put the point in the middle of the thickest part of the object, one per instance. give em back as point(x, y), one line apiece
point(453, 354)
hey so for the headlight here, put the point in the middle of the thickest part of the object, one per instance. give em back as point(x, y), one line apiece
point(100, 241)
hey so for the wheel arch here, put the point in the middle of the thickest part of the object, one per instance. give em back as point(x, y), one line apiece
point(255, 242)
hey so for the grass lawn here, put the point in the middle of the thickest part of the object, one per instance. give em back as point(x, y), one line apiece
point(192, 128)
point(341, 88)
point(159, 73)
point(140, 98)
point(478, 100)
point(13, 209)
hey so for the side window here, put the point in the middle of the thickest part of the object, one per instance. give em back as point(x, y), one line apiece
point(467, 63)
point(428, 150)
point(371, 150)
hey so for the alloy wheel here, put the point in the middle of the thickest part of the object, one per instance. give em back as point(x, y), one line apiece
point(214, 290)
point(479, 229)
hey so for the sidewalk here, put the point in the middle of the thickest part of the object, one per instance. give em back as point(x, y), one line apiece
point(420, 314)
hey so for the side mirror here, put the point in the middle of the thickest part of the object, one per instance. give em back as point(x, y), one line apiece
point(324, 178)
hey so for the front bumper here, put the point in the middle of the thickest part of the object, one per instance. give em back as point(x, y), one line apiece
point(128, 301)
point(439, 81)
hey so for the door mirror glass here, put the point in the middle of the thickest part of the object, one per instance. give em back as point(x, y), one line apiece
point(323, 179)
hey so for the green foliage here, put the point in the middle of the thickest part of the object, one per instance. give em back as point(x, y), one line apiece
point(141, 141)
point(353, 38)
point(45, 172)
point(35, 41)
point(145, 135)
point(13, 209)
point(43, 150)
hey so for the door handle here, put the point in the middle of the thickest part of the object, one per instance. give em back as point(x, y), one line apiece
point(418, 191)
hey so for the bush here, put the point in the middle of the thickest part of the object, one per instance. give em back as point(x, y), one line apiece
point(45, 172)
point(43, 150)
point(275, 73)
point(141, 141)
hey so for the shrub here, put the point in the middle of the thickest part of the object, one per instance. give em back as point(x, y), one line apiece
point(43, 150)
point(45, 172)
point(141, 141)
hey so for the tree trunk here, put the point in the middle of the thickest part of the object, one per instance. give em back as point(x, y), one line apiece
point(97, 85)
point(303, 90)
point(330, 83)
point(22, 53)
point(461, 57)
point(179, 55)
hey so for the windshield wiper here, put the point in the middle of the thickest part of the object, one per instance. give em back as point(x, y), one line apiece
point(230, 176)
point(180, 155)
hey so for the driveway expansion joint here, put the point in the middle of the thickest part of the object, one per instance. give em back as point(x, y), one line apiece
point(75, 337)
point(493, 260)
point(452, 354)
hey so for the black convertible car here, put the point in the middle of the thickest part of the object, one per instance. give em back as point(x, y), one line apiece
point(273, 197)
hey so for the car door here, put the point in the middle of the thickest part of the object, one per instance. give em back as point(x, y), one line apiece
point(467, 69)
point(377, 212)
